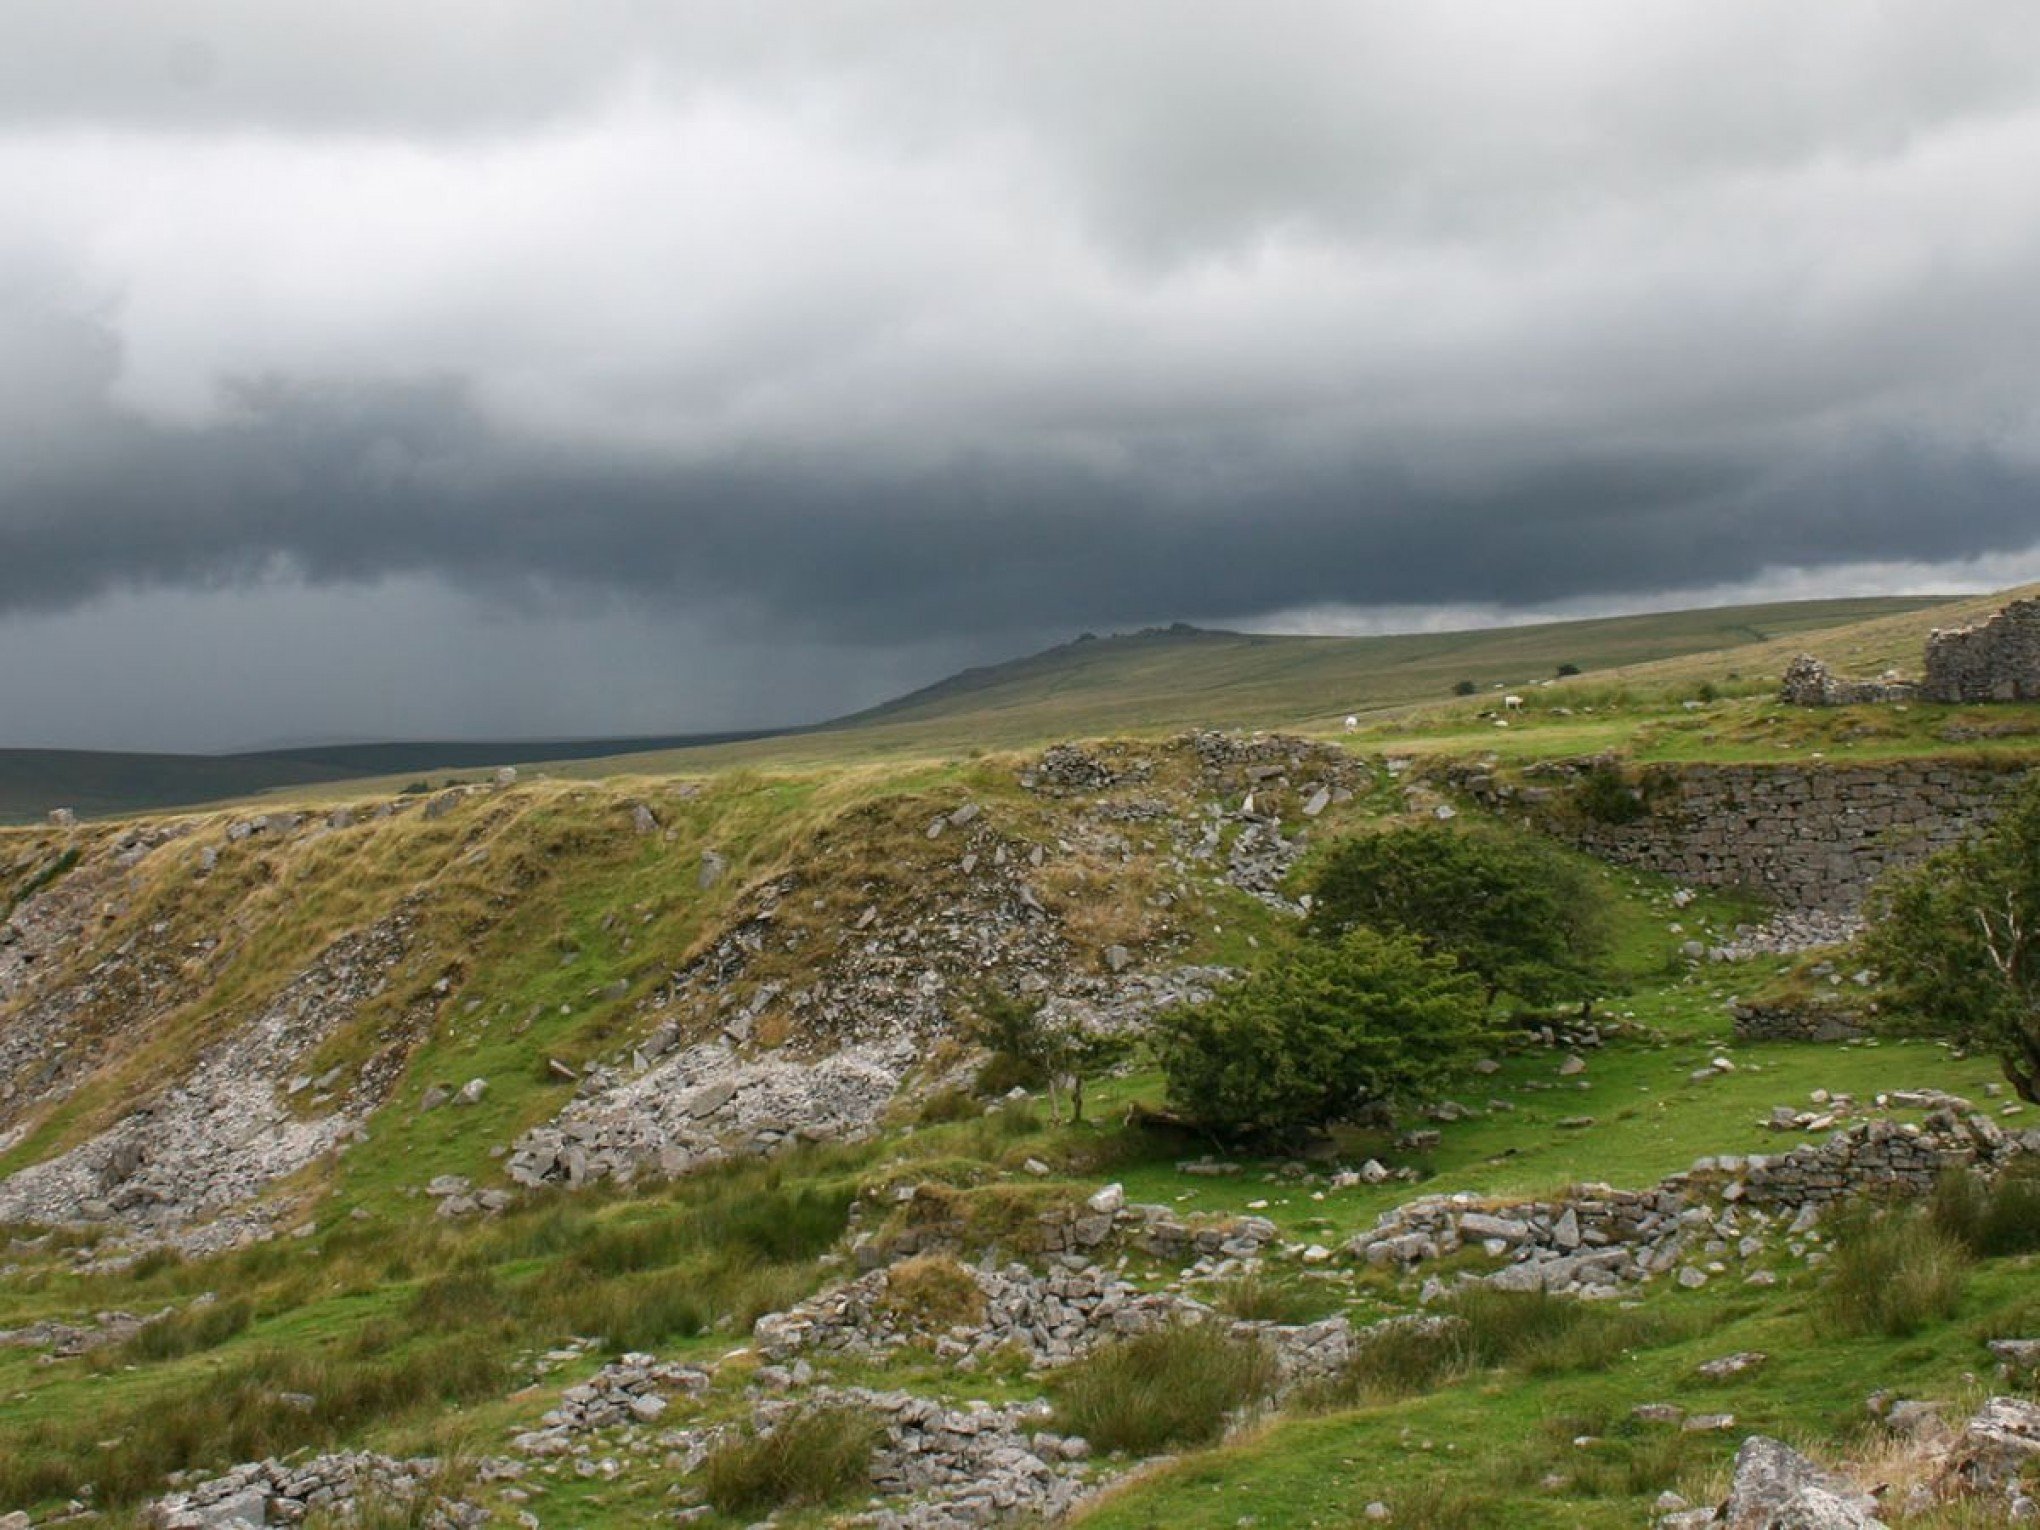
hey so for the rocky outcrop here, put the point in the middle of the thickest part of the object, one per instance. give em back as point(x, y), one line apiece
point(61, 993)
point(706, 1102)
point(216, 1138)
point(1776, 1488)
point(1994, 1449)
point(1981, 1466)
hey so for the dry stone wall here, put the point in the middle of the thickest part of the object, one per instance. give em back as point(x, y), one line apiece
point(1996, 660)
point(1809, 837)
point(1597, 1237)
point(1797, 1022)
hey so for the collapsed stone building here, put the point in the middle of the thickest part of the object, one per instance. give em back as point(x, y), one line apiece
point(1994, 660)
point(1810, 683)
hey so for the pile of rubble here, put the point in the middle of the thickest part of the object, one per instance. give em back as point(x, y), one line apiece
point(1066, 770)
point(705, 1102)
point(960, 1466)
point(631, 1390)
point(1074, 1233)
point(219, 1136)
point(60, 1009)
point(344, 1484)
point(1052, 1319)
point(1787, 933)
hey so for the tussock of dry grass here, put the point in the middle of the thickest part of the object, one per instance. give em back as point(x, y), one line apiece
point(1171, 1388)
point(813, 1458)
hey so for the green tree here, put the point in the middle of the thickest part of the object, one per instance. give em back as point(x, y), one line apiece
point(1512, 909)
point(1031, 1048)
point(1957, 942)
point(1322, 1033)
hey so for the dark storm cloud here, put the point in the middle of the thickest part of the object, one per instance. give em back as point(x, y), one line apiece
point(929, 328)
point(371, 483)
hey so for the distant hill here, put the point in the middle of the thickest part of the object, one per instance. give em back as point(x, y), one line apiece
point(1172, 678)
point(1187, 674)
point(101, 782)
point(1160, 678)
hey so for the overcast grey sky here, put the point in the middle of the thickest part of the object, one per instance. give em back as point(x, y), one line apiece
point(511, 367)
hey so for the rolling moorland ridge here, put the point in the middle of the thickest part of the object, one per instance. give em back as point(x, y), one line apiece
point(1174, 678)
point(636, 1142)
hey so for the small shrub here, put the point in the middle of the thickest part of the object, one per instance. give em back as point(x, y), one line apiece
point(1324, 1031)
point(989, 1135)
point(1438, 1504)
point(1481, 1328)
point(932, 1292)
point(629, 1312)
point(1464, 688)
point(1173, 1387)
point(1892, 1273)
point(1565, 671)
point(456, 1299)
point(947, 1106)
point(1002, 1074)
point(1605, 795)
point(200, 1326)
point(1014, 1118)
point(1396, 1359)
point(815, 1456)
point(156, 1261)
point(1257, 1299)
point(774, 1224)
point(1511, 908)
point(1990, 1219)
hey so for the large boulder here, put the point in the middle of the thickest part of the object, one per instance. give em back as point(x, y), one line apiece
point(1995, 1446)
point(1776, 1488)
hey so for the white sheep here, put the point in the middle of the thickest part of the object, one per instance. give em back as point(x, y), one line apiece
point(1513, 702)
point(1352, 724)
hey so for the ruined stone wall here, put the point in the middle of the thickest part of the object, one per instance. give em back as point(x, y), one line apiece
point(1809, 837)
point(1810, 683)
point(1597, 1236)
point(1796, 1022)
point(1996, 660)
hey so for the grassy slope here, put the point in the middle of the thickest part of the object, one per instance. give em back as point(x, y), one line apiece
point(1166, 682)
